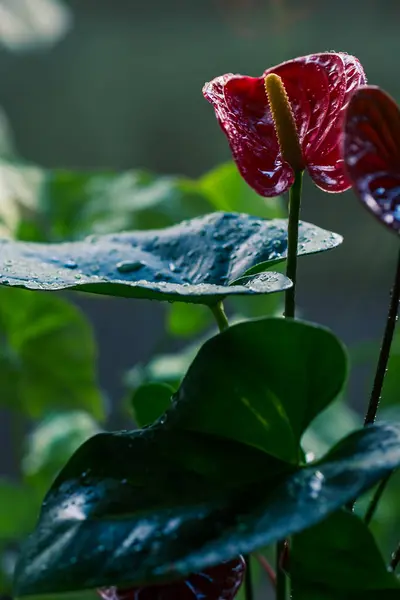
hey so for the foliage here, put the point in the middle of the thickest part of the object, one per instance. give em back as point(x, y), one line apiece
point(243, 437)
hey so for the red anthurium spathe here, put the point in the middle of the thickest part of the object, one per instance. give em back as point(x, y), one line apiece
point(372, 152)
point(221, 582)
point(319, 88)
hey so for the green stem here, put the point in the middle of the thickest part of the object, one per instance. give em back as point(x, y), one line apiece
point(385, 349)
point(220, 316)
point(290, 312)
point(281, 579)
point(248, 583)
point(293, 239)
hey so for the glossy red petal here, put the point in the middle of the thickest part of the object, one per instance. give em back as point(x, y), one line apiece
point(325, 162)
point(242, 109)
point(372, 152)
point(221, 582)
point(331, 176)
point(307, 85)
point(319, 87)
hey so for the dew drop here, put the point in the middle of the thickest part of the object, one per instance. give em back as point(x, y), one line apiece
point(70, 264)
point(126, 266)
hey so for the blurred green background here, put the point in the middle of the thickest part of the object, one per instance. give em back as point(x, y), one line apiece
point(116, 84)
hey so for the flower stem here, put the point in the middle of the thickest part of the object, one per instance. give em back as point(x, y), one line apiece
point(290, 311)
point(248, 583)
point(394, 563)
point(385, 349)
point(220, 316)
point(281, 579)
point(293, 238)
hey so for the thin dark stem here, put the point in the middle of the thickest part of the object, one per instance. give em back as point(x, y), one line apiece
point(293, 240)
point(248, 582)
point(220, 316)
point(290, 313)
point(376, 498)
point(394, 563)
point(281, 579)
point(385, 349)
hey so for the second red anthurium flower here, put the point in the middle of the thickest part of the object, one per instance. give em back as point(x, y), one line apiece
point(318, 88)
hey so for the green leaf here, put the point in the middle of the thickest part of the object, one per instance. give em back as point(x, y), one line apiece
point(151, 401)
point(19, 510)
point(338, 559)
point(52, 443)
point(105, 522)
point(262, 382)
point(187, 320)
point(226, 190)
point(195, 261)
point(47, 355)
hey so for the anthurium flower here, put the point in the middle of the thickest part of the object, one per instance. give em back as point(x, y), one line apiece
point(318, 89)
point(221, 582)
point(372, 152)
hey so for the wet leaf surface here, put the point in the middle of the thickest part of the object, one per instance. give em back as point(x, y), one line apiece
point(195, 261)
point(104, 522)
point(261, 383)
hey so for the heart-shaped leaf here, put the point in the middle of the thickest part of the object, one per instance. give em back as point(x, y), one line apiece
point(195, 261)
point(338, 559)
point(262, 382)
point(105, 522)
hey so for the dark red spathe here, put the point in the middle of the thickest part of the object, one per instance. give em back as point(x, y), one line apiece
point(221, 582)
point(372, 152)
point(319, 88)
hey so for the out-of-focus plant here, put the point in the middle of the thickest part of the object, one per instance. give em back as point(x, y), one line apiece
point(29, 24)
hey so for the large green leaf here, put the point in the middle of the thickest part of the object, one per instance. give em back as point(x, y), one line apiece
point(338, 559)
point(47, 355)
point(195, 261)
point(105, 521)
point(262, 382)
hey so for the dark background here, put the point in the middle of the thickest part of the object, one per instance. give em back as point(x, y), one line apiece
point(122, 89)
